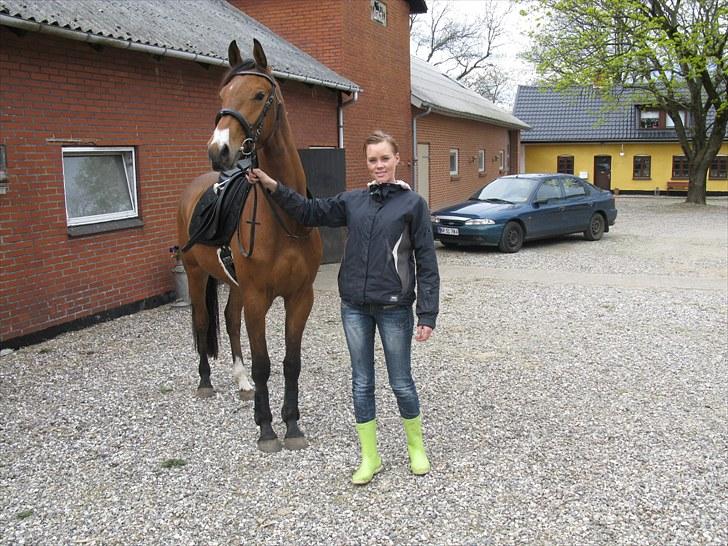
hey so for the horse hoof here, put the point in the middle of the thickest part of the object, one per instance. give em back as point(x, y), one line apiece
point(246, 395)
point(205, 392)
point(293, 444)
point(269, 446)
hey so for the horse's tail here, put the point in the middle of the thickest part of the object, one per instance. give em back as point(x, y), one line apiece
point(212, 335)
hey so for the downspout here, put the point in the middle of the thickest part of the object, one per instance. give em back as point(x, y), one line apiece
point(414, 145)
point(340, 117)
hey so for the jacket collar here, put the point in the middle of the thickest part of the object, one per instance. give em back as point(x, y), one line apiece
point(382, 191)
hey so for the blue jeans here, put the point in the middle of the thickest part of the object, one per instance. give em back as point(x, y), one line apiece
point(395, 324)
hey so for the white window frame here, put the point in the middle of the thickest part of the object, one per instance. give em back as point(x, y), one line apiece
point(502, 159)
point(454, 152)
point(131, 183)
point(379, 12)
point(481, 160)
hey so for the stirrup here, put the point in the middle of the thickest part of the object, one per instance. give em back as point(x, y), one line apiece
point(225, 257)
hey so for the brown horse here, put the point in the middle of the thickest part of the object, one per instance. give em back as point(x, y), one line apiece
point(285, 255)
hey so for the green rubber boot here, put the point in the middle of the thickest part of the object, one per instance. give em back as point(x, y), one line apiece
point(371, 463)
point(419, 464)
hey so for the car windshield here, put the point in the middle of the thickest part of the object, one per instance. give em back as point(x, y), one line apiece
point(507, 190)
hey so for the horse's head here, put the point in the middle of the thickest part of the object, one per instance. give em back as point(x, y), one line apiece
point(249, 94)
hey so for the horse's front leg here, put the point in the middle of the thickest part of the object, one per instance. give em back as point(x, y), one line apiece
point(233, 317)
point(254, 310)
point(298, 308)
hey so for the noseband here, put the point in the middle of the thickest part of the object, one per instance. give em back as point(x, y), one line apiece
point(252, 133)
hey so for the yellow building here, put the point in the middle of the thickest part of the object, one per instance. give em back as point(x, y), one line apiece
point(626, 148)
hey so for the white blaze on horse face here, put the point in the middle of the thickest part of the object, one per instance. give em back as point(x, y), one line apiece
point(240, 377)
point(220, 138)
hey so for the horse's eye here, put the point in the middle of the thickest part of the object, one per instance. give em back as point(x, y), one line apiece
point(260, 95)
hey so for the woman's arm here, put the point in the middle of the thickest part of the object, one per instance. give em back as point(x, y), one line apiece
point(330, 211)
point(428, 275)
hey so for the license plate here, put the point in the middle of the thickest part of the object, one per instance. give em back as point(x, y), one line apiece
point(447, 230)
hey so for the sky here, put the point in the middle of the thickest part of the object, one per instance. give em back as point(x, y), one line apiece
point(515, 42)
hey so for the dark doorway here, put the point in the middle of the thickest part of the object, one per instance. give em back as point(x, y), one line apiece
point(326, 176)
point(603, 171)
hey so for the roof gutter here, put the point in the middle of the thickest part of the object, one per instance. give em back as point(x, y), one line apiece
point(80, 36)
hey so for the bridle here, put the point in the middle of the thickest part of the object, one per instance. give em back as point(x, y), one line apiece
point(250, 156)
point(252, 133)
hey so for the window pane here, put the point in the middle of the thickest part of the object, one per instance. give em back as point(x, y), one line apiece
point(719, 167)
point(565, 164)
point(550, 189)
point(671, 124)
point(649, 119)
point(99, 185)
point(573, 188)
point(453, 162)
point(679, 166)
point(481, 160)
point(641, 166)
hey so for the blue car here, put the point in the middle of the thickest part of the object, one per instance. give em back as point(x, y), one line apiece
point(522, 207)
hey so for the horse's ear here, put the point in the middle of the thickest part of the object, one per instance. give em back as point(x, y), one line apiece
point(234, 54)
point(259, 55)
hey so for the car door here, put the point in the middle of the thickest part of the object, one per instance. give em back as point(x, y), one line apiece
point(547, 207)
point(577, 205)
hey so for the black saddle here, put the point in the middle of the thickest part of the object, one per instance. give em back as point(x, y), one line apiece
point(217, 213)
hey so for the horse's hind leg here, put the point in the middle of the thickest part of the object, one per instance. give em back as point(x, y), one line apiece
point(233, 310)
point(254, 311)
point(298, 309)
point(205, 324)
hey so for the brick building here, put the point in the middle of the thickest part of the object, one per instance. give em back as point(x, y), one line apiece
point(137, 82)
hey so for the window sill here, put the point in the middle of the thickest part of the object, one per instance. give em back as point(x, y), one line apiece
point(642, 179)
point(105, 227)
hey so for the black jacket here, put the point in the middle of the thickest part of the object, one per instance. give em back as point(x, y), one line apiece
point(389, 232)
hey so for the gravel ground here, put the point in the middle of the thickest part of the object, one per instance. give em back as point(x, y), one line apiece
point(557, 411)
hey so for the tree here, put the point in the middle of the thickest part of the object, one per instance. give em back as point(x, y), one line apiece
point(463, 49)
point(672, 53)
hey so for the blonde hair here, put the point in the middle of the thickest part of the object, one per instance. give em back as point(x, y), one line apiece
point(380, 136)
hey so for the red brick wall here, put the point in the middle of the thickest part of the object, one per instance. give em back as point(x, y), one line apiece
point(342, 35)
point(52, 88)
point(443, 133)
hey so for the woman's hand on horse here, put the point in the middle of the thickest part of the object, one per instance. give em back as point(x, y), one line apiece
point(423, 332)
point(258, 175)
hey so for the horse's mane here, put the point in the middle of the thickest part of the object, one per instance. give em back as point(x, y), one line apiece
point(246, 64)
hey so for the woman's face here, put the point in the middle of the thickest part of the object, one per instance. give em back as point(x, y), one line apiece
point(382, 162)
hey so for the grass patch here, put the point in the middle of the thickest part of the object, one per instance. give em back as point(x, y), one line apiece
point(173, 463)
point(24, 514)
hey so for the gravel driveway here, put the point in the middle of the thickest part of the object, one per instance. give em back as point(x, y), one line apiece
point(574, 393)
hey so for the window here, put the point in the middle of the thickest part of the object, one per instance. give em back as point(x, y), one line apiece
point(549, 190)
point(658, 119)
point(100, 185)
point(649, 119)
point(481, 161)
point(379, 12)
point(679, 166)
point(502, 160)
point(719, 167)
point(573, 188)
point(641, 166)
point(454, 161)
point(565, 164)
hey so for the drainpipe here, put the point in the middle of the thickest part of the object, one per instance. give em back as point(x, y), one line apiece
point(340, 116)
point(414, 145)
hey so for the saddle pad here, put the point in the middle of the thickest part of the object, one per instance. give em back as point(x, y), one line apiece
point(217, 213)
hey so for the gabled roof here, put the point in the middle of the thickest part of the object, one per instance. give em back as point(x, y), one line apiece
point(580, 115)
point(433, 89)
point(198, 30)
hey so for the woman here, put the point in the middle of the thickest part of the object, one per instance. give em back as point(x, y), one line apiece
point(389, 244)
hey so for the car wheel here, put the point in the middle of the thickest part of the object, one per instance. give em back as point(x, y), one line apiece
point(596, 228)
point(512, 238)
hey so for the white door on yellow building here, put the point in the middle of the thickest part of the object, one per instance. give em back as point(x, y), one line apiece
point(423, 171)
